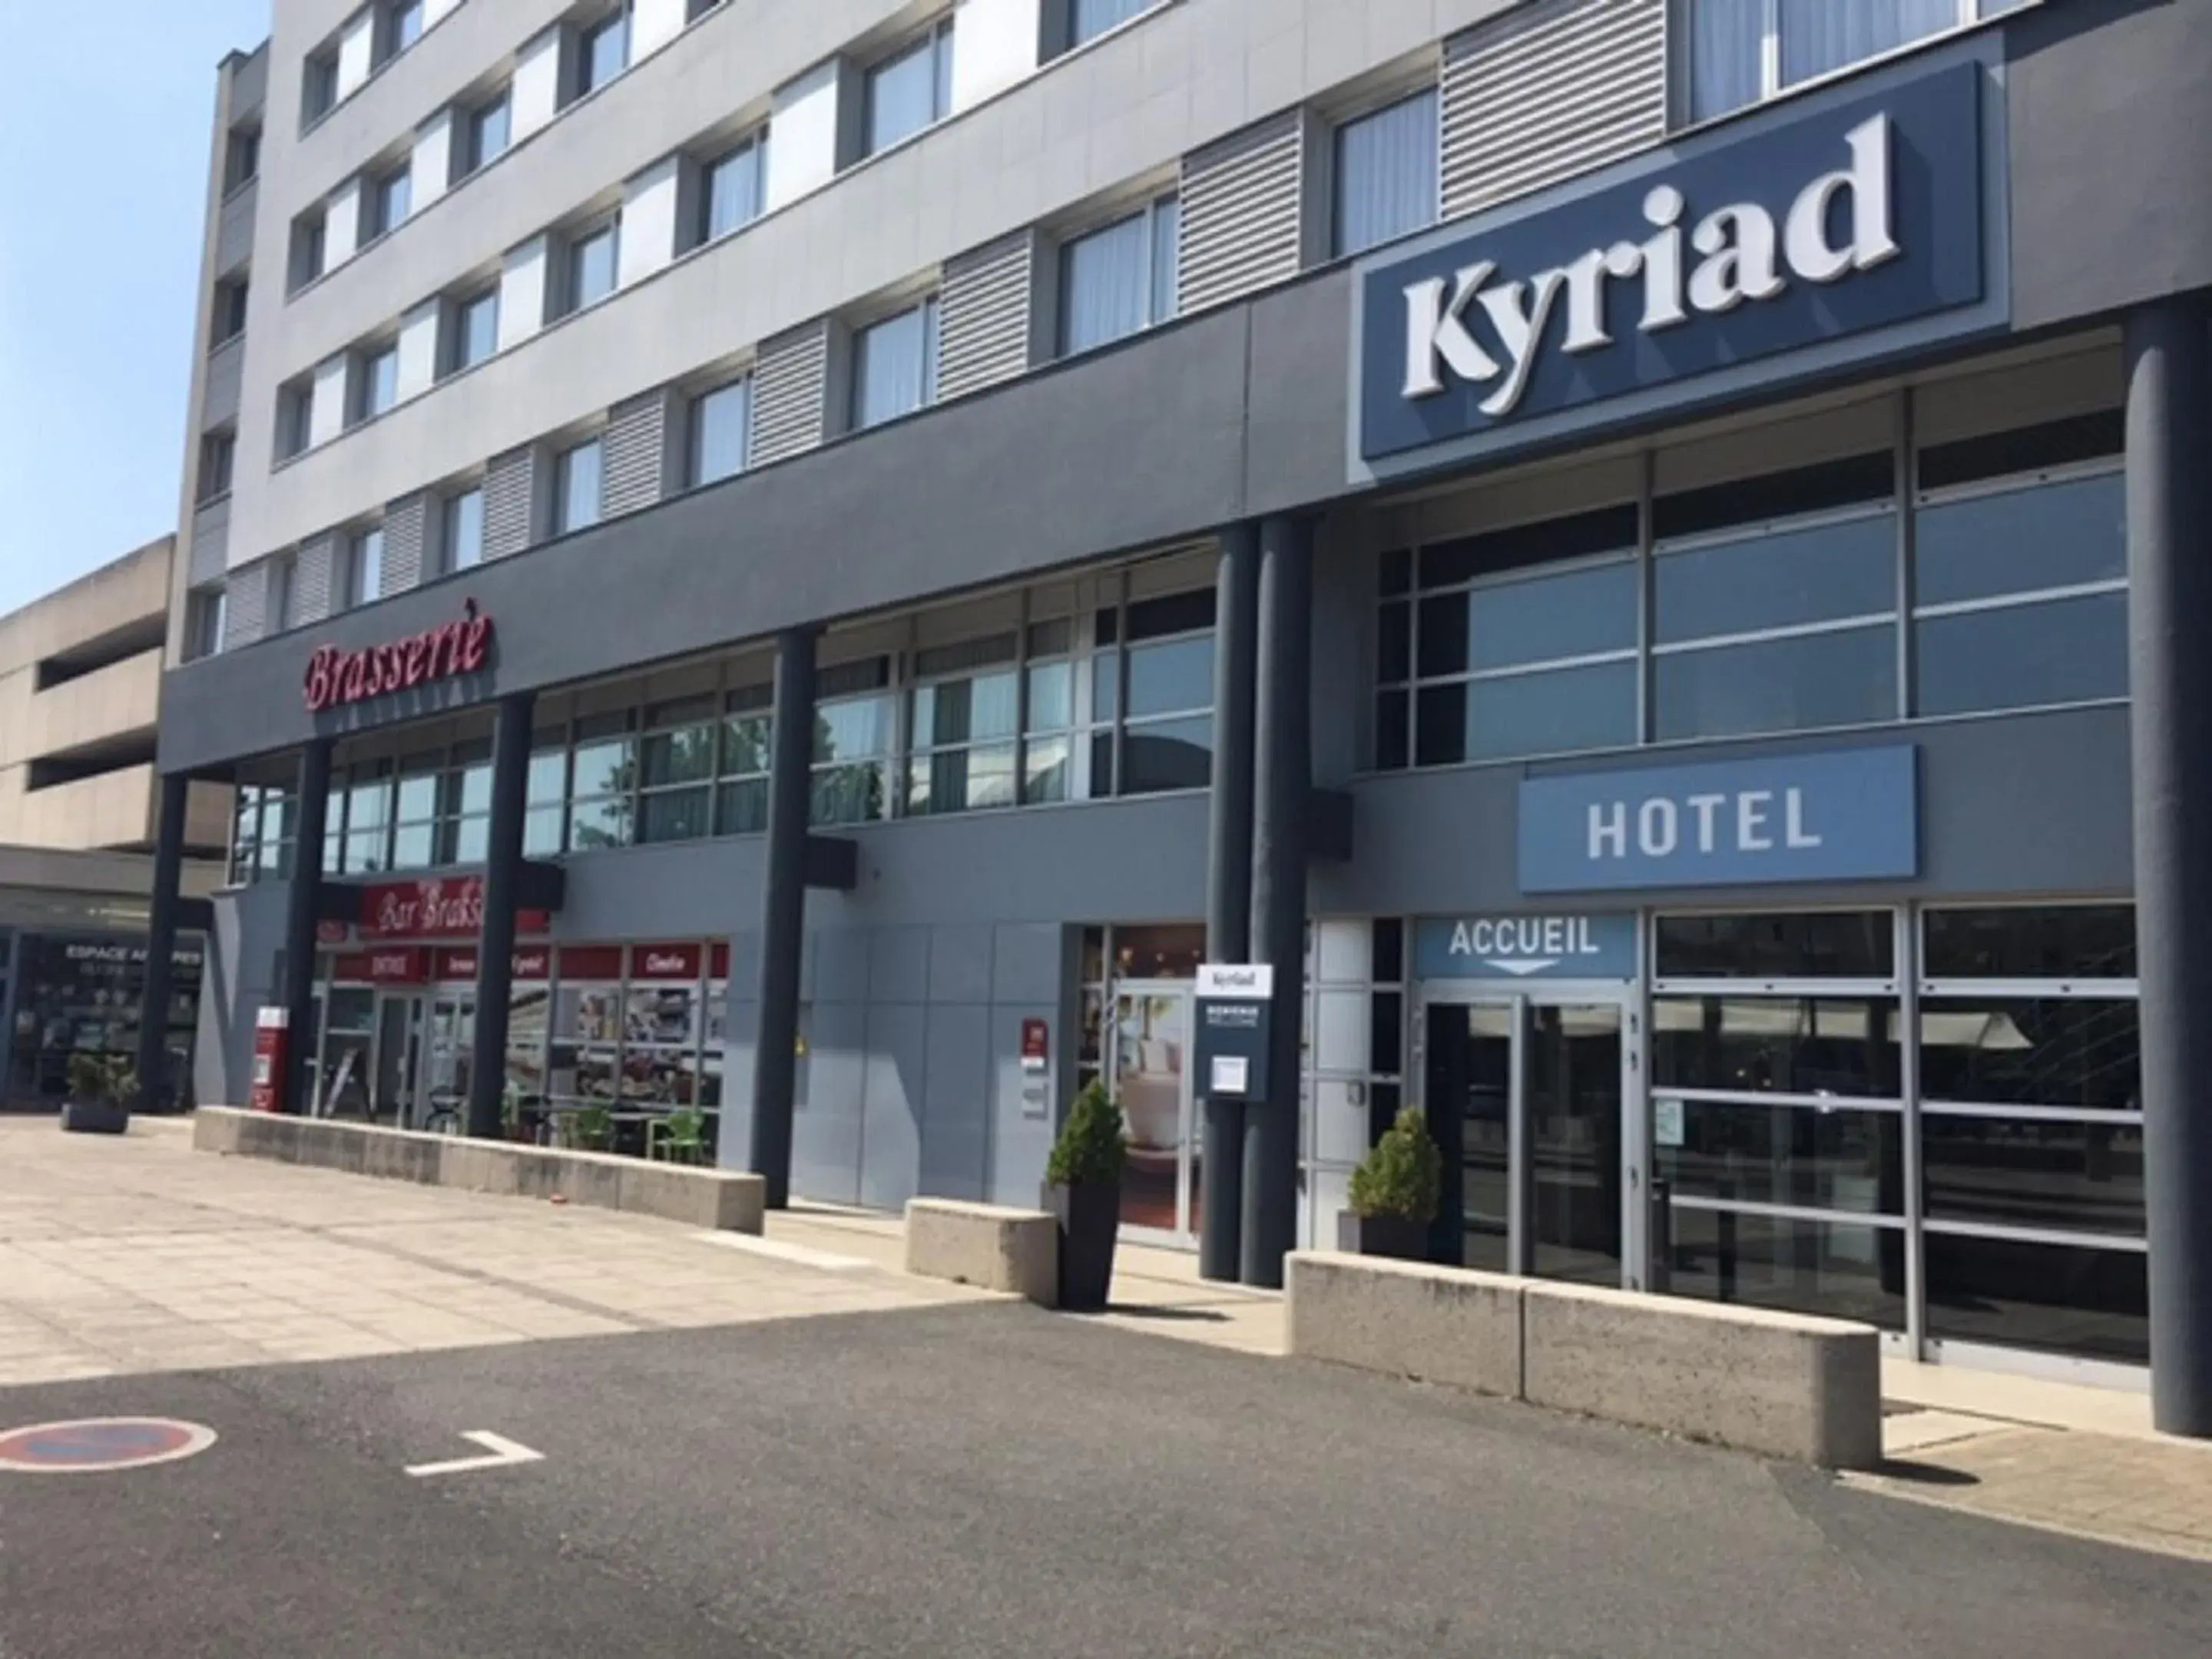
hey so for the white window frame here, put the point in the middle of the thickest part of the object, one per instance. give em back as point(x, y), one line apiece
point(694, 471)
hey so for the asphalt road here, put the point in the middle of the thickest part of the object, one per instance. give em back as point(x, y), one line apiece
point(984, 1480)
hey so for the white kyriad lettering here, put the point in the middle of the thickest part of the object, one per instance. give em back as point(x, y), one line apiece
point(1741, 259)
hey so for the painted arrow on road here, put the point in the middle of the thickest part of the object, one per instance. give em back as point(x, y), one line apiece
point(499, 1453)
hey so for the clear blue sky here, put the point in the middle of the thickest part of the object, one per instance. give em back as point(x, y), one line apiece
point(104, 137)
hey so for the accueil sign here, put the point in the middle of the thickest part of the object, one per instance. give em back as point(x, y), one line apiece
point(1745, 243)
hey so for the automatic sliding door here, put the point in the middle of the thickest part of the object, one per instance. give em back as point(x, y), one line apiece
point(1573, 1083)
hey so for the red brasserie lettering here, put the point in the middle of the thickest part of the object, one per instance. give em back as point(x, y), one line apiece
point(477, 645)
point(418, 652)
point(335, 677)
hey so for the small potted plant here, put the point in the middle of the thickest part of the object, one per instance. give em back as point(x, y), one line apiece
point(1394, 1192)
point(1083, 1176)
point(99, 1086)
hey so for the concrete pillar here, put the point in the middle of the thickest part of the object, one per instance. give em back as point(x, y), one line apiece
point(156, 1089)
point(510, 781)
point(1229, 878)
point(2169, 443)
point(305, 903)
point(783, 923)
point(1283, 785)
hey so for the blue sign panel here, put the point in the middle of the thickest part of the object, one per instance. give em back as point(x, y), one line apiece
point(1767, 238)
point(1842, 815)
point(1554, 946)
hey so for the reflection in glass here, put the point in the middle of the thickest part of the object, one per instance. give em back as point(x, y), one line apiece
point(1793, 684)
point(1168, 755)
point(1573, 1065)
point(1550, 712)
point(1790, 1045)
point(1843, 1269)
point(2063, 1298)
point(1806, 1157)
point(2021, 541)
point(1802, 945)
point(2025, 656)
point(2032, 1051)
point(674, 815)
point(2057, 941)
point(1542, 619)
point(1169, 679)
point(1150, 1042)
point(1823, 573)
point(1820, 35)
point(2068, 1177)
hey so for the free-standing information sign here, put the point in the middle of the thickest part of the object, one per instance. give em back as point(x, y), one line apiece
point(1234, 1005)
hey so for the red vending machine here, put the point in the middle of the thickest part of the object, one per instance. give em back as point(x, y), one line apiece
point(269, 1032)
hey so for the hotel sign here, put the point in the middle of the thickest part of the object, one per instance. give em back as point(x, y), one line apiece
point(337, 677)
point(1769, 238)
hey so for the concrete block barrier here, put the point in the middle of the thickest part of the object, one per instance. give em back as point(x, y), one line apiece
point(724, 1200)
point(1407, 1318)
point(1781, 1385)
point(986, 1245)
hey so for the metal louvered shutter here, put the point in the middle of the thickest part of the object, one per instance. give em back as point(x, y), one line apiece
point(312, 578)
point(983, 316)
point(636, 451)
point(791, 386)
point(1243, 213)
point(1548, 92)
point(510, 485)
point(246, 605)
point(405, 527)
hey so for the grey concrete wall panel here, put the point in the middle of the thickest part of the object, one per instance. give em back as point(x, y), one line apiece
point(791, 392)
point(841, 959)
point(241, 978)
point(1243, 214)
point(960, 962)
point(984, 319)
point(741, 1030)
point(510, 502)
point(406, 529)
point(210, 542)
point(249, 83)
point(1344, 571)
point(2036, 804)
point(955, 1105)
point(314, 578)
point(246, 606)
point(233, 230)
point(1022, 1131)
point(1296, 412)
point(891, 1130)
point(826, 1128)
point(636, 451)
point(1026, 963)
point(898, 965)
point(2110, 102)
point(1548, 91)
point(219, 389)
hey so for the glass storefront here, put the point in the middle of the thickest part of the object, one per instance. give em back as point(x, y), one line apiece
point(75, 993)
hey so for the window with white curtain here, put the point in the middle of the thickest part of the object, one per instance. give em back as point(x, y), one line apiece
point(1739, 52)
point(576, 477)
point(894, 366)
point(909, 89)
point(1118, 279)
point(1087, 19)
point(1386, 175)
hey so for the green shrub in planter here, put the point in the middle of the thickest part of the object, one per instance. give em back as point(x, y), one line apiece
point(1395, 1191)
point(1093, 1146)
point(1083, 1181)
point(100, 1087)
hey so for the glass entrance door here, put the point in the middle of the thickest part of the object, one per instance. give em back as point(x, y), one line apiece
point(1525, 1099)
point(453, 1051)
point(1149, 1045)
point(393, 1068)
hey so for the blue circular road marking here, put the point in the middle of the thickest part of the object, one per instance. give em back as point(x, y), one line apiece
point(90, 1445)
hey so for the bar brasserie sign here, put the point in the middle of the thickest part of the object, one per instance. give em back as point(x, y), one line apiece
point(337, 677)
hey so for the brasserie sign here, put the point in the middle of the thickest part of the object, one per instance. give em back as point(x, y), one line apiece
point(336, 677)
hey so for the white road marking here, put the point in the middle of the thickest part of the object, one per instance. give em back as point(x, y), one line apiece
point(502, 1451)
point(780, 1251)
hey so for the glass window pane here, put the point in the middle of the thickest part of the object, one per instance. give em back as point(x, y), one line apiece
point(472, 841)
point(2050, 536)
point(961, 780)
point(849, 795)
point(2032, 1051)
point(1575, 613)
point(901, 94)
point(745, 744)
point(591, 268)
point(476, 789)
point(1386, 175)
point(412, 845)
point(2069, 1177)
point(597, 824)
point(489, 131)
point(2062, 1298)
point(2025, 656)
point(1392, 737)
point(1808, 945)
point(1167, 258)
point(1820, 35)
point(479, 329)
point(1393, 649)
point(720, 422)
point(853, 730)
point(1821, 573)
point(1105, 685)
point(608, 766)
point(1847, 678)
point(1170, 677)
point(1810, 1158)
point(743, 808)
point(606, 51)
point(1168, 755)
point(465, 530)
point(890, 371)
point(681, 756)
point(1842, 1269)
point(734, 191)
point(1046, 770)
point(1552, 712)
point(674, 815)
point(1785, 1045)
point(2059, 941)
point(549, 776)
point(1106, 285)
point(541, 831)
point(1442, 646)
point(1726, 37)
point(1440, 725)
point(1052, 697)
point(1094, 17)
point(579, 497)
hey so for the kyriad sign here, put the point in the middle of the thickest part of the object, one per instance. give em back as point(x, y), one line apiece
point(1763, 240)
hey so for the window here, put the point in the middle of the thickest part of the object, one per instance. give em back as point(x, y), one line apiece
point(962, 718)
point(415, 813)
point(364, 569)
point(602, 813)
point(241, 158)
point(218, 453)
point(464, 805)
point(391, 198)
point(1088, 18)
point(204, 637)
point(602, 51)
point(229, 310)
point(1739, 52)
point(284, 586)
point(476, 329)
point(853, 721)
point(1118, 280)
point(748, 731)
point(544, 819)
point(379, 380)
point(2019, 570)
point(731, 189)
point(403, 26)
point(576, 488)
point(894, 366)
point(720, 428)
point(295, 416)
point(463, 530)
point(319, 85)
point(307, 248)
point(592, 265)
point(1152, 695)
point(1511, 644)
point(909, 90)
point(490, 129)
point(364, 846)
point(676, 774)
point(1048, 728)
point(1386, 175)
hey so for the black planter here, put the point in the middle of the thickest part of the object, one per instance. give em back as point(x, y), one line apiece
point(81, 1116)
point(1090, 1218)
point(1393, 1236)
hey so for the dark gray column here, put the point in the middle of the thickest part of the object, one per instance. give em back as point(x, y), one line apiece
point(510, 795)
point(299, 922)
point(2169, 447)
point(1229, 878)
point(1283, 750)
point(783, 921)
point(156, 1088)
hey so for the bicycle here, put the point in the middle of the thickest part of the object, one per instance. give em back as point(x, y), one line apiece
point(445, 1116)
